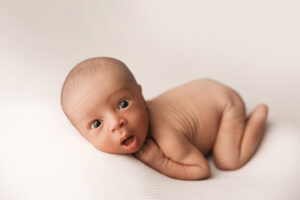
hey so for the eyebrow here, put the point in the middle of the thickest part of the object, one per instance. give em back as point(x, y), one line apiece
point(108, 99)
point(115, 92)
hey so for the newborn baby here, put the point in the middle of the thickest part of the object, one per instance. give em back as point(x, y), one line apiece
point(171, 133)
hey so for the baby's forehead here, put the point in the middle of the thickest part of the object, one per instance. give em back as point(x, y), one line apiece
point(101, 77)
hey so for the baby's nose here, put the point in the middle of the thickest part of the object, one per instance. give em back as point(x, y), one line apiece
point(117, 124)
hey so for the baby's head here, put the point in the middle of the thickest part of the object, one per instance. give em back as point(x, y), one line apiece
point(102, 99)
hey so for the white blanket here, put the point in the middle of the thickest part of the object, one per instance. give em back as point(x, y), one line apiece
point(42, 157)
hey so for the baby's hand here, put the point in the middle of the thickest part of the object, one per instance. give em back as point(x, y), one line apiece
point(150, 154)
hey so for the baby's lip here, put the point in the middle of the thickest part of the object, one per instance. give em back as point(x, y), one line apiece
point(130, 143)
point(123, 138)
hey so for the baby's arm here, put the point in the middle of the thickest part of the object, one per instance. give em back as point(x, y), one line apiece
point(184, 161)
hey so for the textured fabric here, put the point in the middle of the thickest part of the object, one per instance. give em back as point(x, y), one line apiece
point(43, 156)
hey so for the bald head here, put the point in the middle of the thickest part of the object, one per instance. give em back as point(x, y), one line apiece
point(94, 68)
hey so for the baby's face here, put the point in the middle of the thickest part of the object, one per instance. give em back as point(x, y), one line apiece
point(111, 114)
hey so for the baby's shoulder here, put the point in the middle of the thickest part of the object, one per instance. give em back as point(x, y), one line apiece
point(164, 135)
point(171, 141)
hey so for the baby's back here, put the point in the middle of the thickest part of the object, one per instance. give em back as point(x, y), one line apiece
point(193, 109)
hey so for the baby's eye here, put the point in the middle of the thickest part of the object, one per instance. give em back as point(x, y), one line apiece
point(123, 104)
point(96, 123)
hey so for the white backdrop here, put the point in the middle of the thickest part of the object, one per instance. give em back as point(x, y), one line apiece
point(252, 46)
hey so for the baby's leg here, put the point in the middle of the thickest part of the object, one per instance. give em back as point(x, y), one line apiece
point(237, 138)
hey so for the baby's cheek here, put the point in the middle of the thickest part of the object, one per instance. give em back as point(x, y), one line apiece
point(142, 120)
point(102, 143)
point(138, 115)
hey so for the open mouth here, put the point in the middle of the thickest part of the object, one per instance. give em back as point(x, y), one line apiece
point(129, 142)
